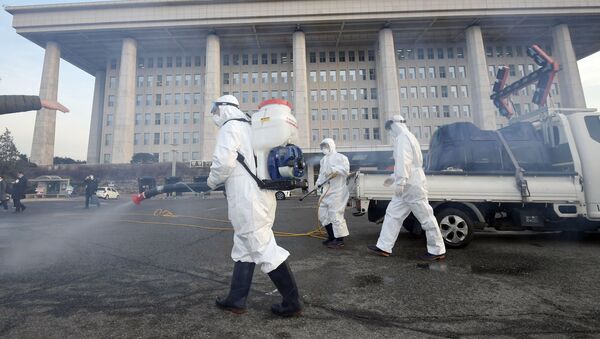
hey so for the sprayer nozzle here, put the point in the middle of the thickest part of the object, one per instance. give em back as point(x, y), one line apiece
point(137, 198)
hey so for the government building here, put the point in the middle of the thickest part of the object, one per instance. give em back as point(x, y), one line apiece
point(345, 66)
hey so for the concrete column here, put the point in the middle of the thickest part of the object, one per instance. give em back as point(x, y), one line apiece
point(482, 107)
point(212, 90)
point(95, 138)
point(389, 78)
point(571, 90)
point(42, 148)
point(122, 149)
point(300, 107)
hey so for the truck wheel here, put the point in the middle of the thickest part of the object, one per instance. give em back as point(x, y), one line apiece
point(456, 227)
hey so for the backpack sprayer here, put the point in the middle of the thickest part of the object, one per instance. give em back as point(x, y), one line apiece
point(279, 163)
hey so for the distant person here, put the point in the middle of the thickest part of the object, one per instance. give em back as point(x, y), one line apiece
point(410, 195)
point(3, 196)
point(19, 189)
point(24, 103)
point(334, 171)
point(91, 186)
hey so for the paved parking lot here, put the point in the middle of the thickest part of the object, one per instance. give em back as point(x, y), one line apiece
point(121, 271)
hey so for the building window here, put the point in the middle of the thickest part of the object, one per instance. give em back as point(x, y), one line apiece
point(176, 118)
point(402, 73)
point(159, 62)
point(361, 56)
point(342, 56)
point(463, 91)
point(196, 118)
point(169, 62)
point(351, 56)
point(431, 72)
point(373, 93)
point(452, 72)
point(421, 72)
point(111, 101)
point(313, 114)
point(354, 113)
point(420, 54)
point(147, 119)
point(412, 73)
point(137, 138)
point(450, 53)
point(367, 135)
point(109, 120)
point(352, 74)
point(107, 158)
point(466, 111)
point(138, 119)
point(274, 59)
point(157, 118)
point(430, 53)
point(166, 138)
point(235, 60)
point(315, 135)
point(460, 54)
point(375, 113)
point(442, 72)
point(462, 71)
point(355, 134)
point(146, 138)
point(157, 138)
point(107, 139)
point(444, 90)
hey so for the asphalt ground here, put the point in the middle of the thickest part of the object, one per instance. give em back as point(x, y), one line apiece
point(121, 271)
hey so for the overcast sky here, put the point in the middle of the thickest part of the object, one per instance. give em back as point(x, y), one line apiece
point(20, 73)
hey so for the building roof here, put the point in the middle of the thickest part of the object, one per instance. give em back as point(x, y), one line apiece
point(89, 33)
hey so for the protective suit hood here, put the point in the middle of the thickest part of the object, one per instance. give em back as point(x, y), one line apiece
point(329, 143)
point(227, 113)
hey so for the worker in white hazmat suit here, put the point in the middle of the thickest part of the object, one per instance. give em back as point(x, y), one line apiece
point(410, 195)
point(251, 212)
point(333, 174)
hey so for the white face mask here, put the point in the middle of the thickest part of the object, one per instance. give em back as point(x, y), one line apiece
point(217, 119)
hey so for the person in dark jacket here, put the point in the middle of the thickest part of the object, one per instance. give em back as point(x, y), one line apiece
point(24, 103)
point(91, 186)
point(19, 189)
point(3, 196)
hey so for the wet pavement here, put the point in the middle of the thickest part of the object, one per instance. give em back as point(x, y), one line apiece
point(127, 271)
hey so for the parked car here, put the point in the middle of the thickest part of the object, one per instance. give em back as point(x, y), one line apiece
point(282, 195)
point(107, 193)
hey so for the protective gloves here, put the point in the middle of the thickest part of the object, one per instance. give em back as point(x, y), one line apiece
point(388, 182)
point(398, 190)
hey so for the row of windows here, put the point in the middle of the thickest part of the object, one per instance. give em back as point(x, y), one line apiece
point(345, 136)
point(332, 94)
point(157, 99)
point(430, 72)
point(428, 112)
point(169, 80)
point(431, 53)
point(340, 56)
point(244, 78)
point(351, 75)
point(513, 70)
point(415, 92)
point(342, 114)
point(509, 51)
point(167, 138)
point(255, 59)
point(253, 97)
point(167, 62)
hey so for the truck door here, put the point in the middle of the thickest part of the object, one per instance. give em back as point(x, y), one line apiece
point(586, 132)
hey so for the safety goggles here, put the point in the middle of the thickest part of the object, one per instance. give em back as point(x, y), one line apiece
point(215, 106)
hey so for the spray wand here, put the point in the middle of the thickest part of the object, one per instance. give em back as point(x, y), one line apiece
point(201, 188)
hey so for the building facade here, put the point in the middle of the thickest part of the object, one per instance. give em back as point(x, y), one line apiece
point(346, 66)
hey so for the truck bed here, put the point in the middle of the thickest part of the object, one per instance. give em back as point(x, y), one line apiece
point(544, 187)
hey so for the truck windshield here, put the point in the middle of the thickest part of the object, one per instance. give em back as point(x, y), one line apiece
point(593, 126)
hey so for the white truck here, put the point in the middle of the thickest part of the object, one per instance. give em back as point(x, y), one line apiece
point(563, 196)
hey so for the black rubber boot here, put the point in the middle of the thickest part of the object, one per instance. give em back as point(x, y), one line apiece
point(336, 243)
point(240, 287)
point(284, 280)
point(330, 236)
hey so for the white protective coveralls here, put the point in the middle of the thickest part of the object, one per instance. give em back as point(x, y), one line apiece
point(250, 209)
point(410, 186)
point(333, 204)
